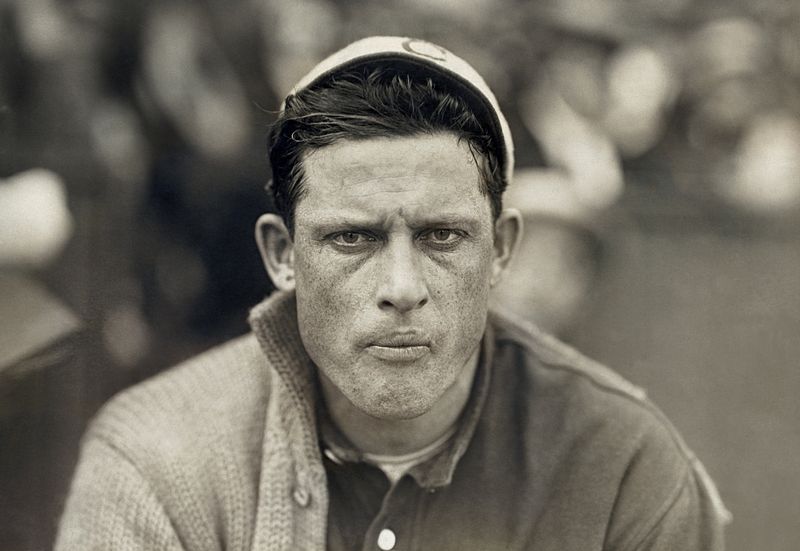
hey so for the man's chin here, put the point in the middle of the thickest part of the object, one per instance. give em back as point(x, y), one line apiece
point(394, 408)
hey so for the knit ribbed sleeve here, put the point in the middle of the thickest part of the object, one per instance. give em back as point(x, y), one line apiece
point(174, 462)
point(123, 513)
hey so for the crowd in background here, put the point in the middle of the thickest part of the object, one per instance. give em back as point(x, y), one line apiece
point(151, 120)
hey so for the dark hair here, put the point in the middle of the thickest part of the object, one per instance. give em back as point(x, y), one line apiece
point(368, 103)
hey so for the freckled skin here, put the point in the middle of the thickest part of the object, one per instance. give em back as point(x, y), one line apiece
point(369, 262)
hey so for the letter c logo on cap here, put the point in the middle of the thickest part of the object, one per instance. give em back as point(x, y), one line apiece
point(425, 49)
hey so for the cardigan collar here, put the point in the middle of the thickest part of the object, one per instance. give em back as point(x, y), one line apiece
point(274, 322)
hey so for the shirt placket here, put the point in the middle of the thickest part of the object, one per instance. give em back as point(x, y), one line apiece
point(394, 527)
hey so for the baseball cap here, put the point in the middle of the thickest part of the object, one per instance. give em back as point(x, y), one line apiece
point(429, 60)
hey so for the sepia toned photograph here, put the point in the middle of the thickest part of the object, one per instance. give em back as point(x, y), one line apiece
point(459, 275)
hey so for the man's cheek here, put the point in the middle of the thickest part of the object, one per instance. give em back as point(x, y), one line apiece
point(325, 293)
point(468, 281)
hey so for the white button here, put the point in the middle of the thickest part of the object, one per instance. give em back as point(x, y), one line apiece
point(332, 456)
point(386, 540)
point(301, 496)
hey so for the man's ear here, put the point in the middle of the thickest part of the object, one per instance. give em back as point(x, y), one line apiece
point(277, 250)
point(507, 234)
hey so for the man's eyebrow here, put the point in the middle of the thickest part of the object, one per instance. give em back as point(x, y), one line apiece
point(338, 221)
point(358, 220)
point(446, 219)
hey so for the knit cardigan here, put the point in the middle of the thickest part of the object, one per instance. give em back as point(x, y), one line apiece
point(239, 418)
point(222, 452)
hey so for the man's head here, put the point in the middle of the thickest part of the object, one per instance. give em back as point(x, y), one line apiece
point(375, 101)
point(388, 174)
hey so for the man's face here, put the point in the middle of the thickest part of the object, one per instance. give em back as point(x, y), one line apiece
point(393, 256)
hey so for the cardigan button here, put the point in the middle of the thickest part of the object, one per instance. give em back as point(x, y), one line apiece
point(301, 496)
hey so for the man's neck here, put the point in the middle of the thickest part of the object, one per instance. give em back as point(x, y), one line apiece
point(399, 436)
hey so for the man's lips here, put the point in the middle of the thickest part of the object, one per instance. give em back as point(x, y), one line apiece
point(398, 353)
point(399, 347)
point(410, 338)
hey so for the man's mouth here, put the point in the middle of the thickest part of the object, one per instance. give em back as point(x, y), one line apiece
point(400, 347)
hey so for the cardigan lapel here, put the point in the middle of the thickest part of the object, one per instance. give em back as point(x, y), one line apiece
point(293, 501)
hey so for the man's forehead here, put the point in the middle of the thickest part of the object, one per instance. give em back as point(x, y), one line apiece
point(390, 161)
point(376, 151)
point(437, 171)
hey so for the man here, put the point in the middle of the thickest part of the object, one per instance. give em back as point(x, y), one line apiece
point(377, 403)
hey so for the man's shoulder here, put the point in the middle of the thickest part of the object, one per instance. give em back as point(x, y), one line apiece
point(216, 398)
point(549, 353)
point(585, 391)
point(592, 420)
point(624, 458)
point(176, 457)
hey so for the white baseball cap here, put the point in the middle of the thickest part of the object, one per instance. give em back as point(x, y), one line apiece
point(430, 60)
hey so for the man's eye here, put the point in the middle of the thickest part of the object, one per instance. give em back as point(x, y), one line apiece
point(350, 238)
point(441, 236)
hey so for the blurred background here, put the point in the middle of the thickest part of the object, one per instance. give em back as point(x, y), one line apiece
point(658, 146)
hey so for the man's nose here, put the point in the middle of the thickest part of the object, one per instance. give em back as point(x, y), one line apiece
point(402, 285)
